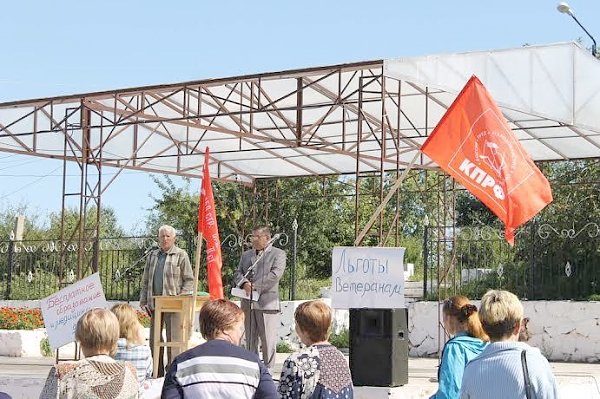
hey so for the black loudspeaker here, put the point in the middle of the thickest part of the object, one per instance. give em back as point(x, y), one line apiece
point(379, 347)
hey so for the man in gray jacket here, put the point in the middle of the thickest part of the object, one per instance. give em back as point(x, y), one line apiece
point(262, 316)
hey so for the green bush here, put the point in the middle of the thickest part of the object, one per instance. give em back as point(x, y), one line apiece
point(45, 348)
point(284, 347)
point(341, 340)
point(306, 287)
point(43, 284)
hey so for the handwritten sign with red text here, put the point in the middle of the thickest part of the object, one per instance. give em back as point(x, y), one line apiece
point(62, 309)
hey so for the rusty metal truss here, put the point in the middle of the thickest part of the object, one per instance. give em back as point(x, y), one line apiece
point(331, 120)
point(361, 119)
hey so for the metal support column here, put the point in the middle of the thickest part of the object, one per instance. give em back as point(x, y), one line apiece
point(84, 234)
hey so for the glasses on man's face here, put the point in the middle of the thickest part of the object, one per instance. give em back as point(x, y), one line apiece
point(256, 236)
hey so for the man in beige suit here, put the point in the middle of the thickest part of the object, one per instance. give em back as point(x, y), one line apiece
point(262, 316)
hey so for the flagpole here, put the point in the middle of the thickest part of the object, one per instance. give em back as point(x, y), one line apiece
point(198, 244)
point(196, 274)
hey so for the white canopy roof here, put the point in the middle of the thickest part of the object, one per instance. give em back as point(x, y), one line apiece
point(346, 118)
point(549, 94)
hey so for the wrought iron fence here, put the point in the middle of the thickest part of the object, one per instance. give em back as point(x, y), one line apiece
point(31, 269)
point(549, 261)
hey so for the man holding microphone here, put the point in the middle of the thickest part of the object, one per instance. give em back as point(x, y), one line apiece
point(262, 315)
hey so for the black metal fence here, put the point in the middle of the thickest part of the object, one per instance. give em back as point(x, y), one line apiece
point(547, 262)
point(31, 269)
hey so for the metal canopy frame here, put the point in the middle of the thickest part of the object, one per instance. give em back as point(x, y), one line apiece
point(361, 119)
point(295, 123)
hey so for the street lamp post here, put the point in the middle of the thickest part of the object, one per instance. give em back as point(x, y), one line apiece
point(566, 9)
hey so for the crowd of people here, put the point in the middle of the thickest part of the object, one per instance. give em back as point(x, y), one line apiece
point(117, 361)
point(484, 358)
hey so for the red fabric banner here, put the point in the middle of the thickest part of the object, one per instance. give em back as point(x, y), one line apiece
point(474, 144)
point(207, 225)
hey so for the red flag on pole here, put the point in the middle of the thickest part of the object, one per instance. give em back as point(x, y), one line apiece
point(474, 144)
point(207, 227)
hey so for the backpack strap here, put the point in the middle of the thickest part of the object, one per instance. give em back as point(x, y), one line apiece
point(528, 387)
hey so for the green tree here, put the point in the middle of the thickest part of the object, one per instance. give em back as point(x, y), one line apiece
point(176, 206)
point(33, 229)
point(562, 232)
point(319, 205)
point(109, 226)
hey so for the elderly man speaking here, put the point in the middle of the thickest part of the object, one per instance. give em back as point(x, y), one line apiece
point(167, 272)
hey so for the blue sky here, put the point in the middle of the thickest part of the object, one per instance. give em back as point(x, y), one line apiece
point(65, 47)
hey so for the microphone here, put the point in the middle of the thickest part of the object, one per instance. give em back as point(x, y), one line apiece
point(273, 239)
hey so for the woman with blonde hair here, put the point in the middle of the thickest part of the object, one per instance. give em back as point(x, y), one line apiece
point(507, 368)
point(98, 376)
point(461, 321)
point(131, 346)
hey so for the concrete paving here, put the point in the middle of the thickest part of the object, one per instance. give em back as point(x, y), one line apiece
point(23, 378)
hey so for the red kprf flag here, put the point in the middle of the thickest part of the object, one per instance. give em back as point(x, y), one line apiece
point(474, 144)
point(207, 226)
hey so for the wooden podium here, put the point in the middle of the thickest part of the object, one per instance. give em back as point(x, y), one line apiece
point(184, 305)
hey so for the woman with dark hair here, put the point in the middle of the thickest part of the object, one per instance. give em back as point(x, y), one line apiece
point(468, 340)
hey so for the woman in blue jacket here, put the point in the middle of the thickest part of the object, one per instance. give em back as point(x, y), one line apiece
point(468, 340)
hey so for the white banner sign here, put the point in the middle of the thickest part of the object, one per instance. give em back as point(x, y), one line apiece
point(367, 277)
point(62, 309)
